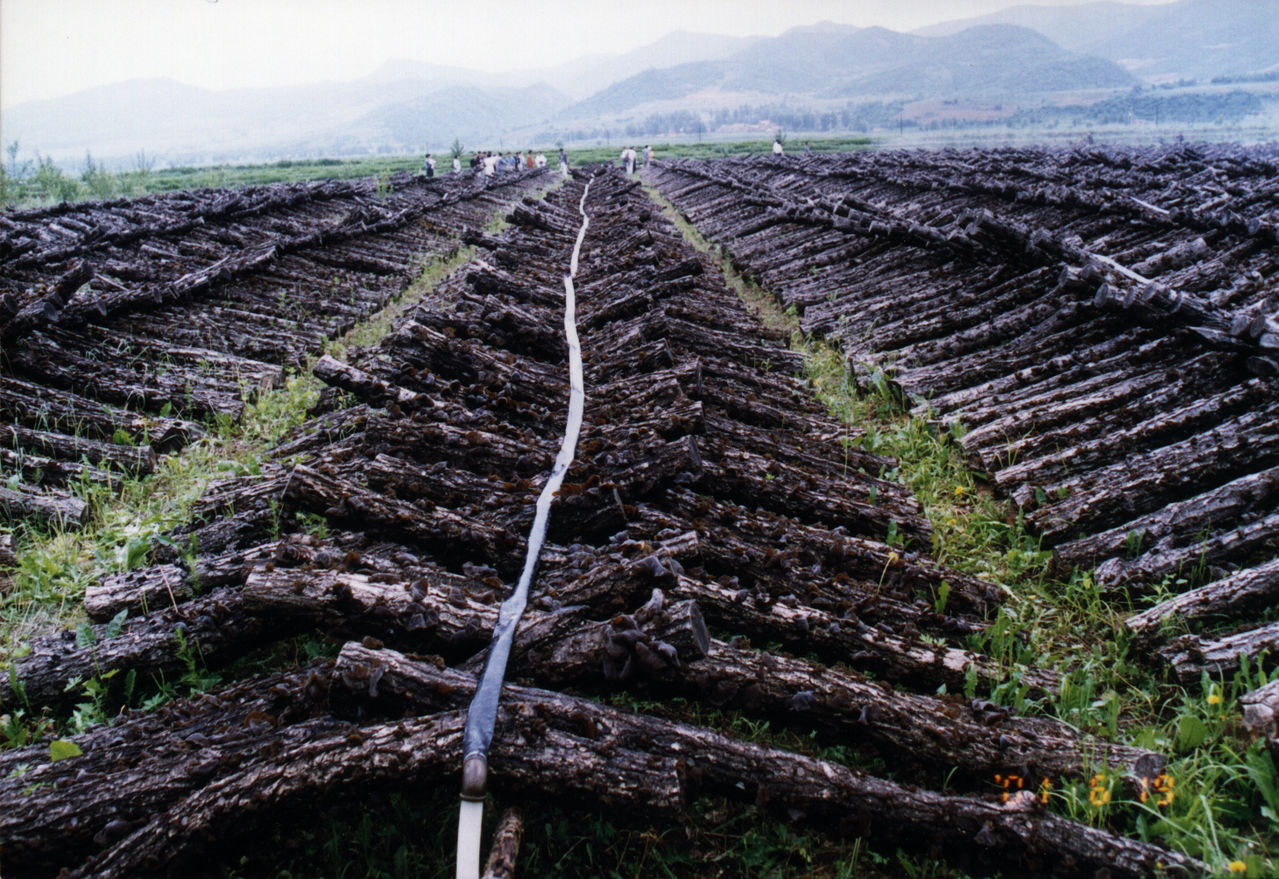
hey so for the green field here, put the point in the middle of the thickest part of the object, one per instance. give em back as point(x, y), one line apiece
point(46, 184)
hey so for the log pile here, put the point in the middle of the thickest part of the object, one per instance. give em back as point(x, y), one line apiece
point(710, 511)
point(1102, 323)
point(126, 323)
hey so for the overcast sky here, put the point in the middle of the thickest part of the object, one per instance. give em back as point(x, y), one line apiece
point(53, 47)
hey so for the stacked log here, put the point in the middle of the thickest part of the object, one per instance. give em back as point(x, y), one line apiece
point(1099, 323)
point(117, 316)
point(707, 511)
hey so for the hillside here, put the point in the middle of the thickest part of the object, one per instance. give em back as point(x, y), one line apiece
point(833, 61)
point(1189, 39)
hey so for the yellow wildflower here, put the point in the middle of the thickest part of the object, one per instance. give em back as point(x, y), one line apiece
point(1098, 791)
point(1238, 867)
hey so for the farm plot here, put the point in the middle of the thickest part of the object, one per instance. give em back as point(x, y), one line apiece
point(126, 324)
point(713, 509)
point(1103, 324)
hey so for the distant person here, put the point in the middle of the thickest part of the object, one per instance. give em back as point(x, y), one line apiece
point(648, 155)
point(808, 150)
point(777, 148)
point(430, 166)
point(530, 162)
point(563, 162)
point(628, 160)
point(540, 161)
point(457, 164)
point(490, 165)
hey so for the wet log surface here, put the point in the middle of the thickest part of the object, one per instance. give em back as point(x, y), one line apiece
point(115, 317)
point(708, 509)
point(1102, 323)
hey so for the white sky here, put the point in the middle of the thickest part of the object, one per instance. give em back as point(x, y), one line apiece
point(50, 48)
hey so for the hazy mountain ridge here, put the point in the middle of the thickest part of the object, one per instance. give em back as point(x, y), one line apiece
point(829, 61)
point(1189, 39)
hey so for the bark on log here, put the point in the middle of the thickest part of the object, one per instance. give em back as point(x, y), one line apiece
point(40, 407)
point(131, 459)
point(1249, 590)
point(55, 509)
point(1175, 526)
point(211, 630)
point(56, 814)
point(451, 534)
point(1261, 714)
point(849, 640)
point(1190, 656)
point(812, 791)
point(506, 846)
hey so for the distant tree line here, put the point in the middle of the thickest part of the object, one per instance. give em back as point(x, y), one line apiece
point(850, 117)
point(1203, 107)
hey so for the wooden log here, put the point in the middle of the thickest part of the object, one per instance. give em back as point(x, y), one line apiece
point(1169, 418)
point(1261, 714)
point(62, 361)
point(1249, 590)
point(1149, 480)
point(46, 408)
point(815, 792)
point(36, 470)
point(456, 614)
point(1156, 536)
point(506, 845)
point(1196, 560)
point(52, 508)
point(849, 640)
point(975, 736)
point(144, 762)
point(447, 532)
point(210, 630)
point(754, 546)
point(131, 459)
point(753, 480)
point(1190, 656)
point(47, 307)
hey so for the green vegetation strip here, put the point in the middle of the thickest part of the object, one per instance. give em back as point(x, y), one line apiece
point(1219, 798)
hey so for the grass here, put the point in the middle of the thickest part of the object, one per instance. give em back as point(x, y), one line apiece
point(94, 183)
point(1219, 800)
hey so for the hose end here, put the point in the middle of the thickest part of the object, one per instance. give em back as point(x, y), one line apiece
point(475, 770)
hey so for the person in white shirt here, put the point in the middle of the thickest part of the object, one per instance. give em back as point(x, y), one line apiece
point(457, 164)
point(490, 165)
point(540, 161)
point(777, 148)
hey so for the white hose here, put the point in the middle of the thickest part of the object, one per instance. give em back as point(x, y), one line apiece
point(482, 713)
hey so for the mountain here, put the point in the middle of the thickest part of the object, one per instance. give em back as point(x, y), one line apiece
point(988, 60)
point(1188, 39)
point(838, 61)
point(585, 76)
point(187, 125)
point(403, 106)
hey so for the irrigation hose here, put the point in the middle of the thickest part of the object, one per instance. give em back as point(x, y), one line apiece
point(481, 715)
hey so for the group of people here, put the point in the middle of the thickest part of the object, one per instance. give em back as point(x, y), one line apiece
point(629, 157)
point(487, 164)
